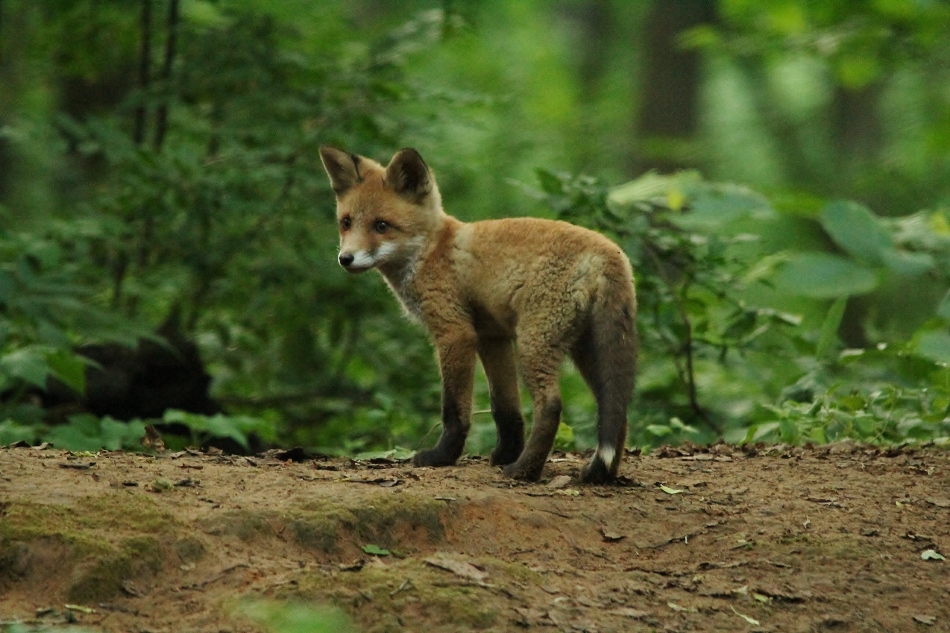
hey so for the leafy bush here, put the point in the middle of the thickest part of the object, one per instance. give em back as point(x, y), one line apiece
point(729, 347)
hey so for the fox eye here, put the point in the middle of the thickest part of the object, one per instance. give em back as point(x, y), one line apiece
point(380, 226)
point(345, 223)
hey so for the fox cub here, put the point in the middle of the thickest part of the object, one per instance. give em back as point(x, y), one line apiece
point(554, 287)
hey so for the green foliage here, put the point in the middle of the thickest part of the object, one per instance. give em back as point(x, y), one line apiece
point(86, 432)
point(814, 310)
point(44, 307)
point(237, 428)
point(82, 432)
point(709, 351)
point(889, 415)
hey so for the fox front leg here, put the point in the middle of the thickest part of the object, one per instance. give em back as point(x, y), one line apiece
point(457, 364)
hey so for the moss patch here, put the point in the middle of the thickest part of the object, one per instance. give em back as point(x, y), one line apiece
point(190, 549)
point(392, 520)
point(244, 524)
point(409, 592)
point(121, 513)
point(138, 557)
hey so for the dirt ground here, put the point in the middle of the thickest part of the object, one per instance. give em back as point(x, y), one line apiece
point(842, 537)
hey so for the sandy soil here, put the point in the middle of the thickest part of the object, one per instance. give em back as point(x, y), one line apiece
point(693, 539)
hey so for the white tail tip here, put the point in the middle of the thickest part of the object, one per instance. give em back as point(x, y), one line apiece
point(607, 454)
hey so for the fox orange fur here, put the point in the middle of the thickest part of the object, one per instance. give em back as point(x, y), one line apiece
point(555, 288)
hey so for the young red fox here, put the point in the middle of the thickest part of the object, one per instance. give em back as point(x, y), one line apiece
point(556, 288)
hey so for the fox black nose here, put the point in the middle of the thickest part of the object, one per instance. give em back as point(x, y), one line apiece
point(346, 259)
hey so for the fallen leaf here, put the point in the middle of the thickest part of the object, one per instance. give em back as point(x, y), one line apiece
point(458, 567)
point(748, 619)
point(929, 620)
point(677, 607)
point(78, 607)
point(940, 502)
point(670, 491)
point(627, 612)
point(354, 566)
point(78, 465)
point(375, 550)
point(561, 481)
point(932, 554)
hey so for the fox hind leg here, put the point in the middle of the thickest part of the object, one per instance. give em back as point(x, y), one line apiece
point(540, 365)
point(498, 360)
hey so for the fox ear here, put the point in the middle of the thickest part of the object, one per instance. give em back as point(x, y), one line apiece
point(342, 167)
point(408, 175)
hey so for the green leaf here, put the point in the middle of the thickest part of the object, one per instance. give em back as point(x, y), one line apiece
point(759, 431)
point(723, 204)
point(549, 182)
point(855, 229)
point(68, 368)
point(28, 363)
point(375, 550)
point(224, 426)
point(908, 263)
point(931, 554)
point(828, 336)
point(824, 276)
point(11, 432)
point(80, 434)
point(644, 189)
point(397, 454)
point(670, 491)
point(564, 439)
point(934, 344)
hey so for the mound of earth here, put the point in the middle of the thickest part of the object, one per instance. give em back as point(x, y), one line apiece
point(841, 537)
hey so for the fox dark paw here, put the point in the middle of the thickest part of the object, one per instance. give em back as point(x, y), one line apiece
point(525, 471)
point(433, 457)
point(596, 472)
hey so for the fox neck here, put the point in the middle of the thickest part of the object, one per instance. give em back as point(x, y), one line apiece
point(401, 274)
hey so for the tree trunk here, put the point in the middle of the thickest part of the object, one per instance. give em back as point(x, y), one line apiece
point(669, 113)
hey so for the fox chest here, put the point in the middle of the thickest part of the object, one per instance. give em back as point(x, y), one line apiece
point(408, 297)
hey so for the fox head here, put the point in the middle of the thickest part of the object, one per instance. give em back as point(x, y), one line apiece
point(384, 214)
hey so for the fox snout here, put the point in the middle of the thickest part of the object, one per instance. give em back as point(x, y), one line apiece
point(355, 263)
point(361, 260)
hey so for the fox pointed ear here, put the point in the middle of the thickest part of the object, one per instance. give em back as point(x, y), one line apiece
point(409, 176)
point(342, 167)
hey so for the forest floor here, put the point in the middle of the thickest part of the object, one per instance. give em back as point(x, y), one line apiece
point(773, 538)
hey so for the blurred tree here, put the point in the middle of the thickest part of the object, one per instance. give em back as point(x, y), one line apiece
point(668, 118)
